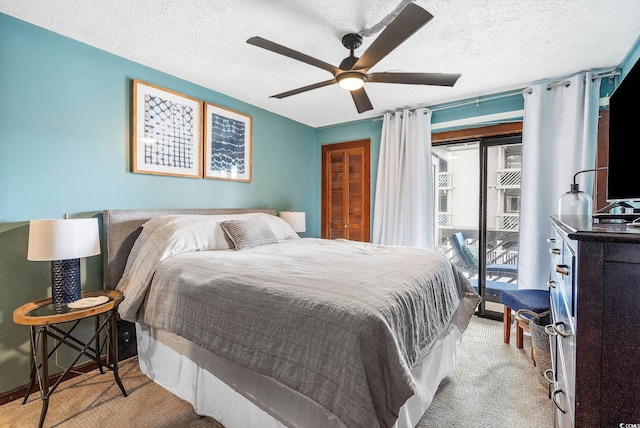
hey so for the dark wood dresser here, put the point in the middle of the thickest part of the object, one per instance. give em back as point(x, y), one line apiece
point(595, 336)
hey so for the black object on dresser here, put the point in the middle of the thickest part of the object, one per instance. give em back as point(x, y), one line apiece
point(595, 335)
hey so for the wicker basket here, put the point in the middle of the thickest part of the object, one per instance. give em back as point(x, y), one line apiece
point(539, 339)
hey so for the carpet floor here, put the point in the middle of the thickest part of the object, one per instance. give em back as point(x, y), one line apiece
point(493, 385)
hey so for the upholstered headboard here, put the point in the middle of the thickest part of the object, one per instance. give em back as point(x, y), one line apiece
point(122, 227)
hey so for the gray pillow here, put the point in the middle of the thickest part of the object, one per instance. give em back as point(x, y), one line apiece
point(248, 233)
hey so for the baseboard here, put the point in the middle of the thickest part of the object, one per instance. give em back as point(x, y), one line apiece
point(19, 392)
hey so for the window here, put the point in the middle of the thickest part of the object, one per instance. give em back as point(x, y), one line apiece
point(512, 201)
point(513, 158)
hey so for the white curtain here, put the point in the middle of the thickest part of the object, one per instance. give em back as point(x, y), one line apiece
point(559, 139)
point(403, 210)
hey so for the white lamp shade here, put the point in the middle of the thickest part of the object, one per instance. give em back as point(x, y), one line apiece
point(63, 239)
point(296, 220)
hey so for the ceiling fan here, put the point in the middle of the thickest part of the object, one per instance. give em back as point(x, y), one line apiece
point(353, 72)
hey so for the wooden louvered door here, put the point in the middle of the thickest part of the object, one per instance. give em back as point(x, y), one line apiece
point(346, 190)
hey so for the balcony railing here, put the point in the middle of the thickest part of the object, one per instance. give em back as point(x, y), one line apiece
point(445, 181)
point(502, 256)
point(445, 219)
point(508, 222)
point(505, 222)
point(509, 178)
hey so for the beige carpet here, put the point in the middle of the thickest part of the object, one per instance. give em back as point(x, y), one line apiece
point(94, 400)
point(493, 385)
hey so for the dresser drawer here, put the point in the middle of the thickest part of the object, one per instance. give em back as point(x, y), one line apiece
point(562, 396)
point(562, 278)
point(565, 349)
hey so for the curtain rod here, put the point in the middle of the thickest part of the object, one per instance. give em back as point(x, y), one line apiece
point(604, 74)
point(476, 100)
point(514, 92)
point(565, 82)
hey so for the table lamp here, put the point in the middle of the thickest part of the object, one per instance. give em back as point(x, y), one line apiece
point(63, 242)
point(296, 220)
point(575, 201)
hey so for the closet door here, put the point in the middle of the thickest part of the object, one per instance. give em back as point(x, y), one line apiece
point(346, 190)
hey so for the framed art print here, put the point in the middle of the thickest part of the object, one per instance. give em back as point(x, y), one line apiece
point(227, 144)
point(167, 132)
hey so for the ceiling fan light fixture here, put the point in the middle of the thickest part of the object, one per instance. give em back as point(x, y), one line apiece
point(353, 72)
point(351, 80)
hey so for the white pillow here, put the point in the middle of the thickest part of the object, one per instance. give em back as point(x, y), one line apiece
point(280, 228)
point(191, 232)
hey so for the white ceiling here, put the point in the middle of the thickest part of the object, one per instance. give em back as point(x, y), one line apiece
point(495, 44)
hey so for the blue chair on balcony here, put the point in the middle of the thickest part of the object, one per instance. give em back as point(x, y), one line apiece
point(493, 289)
point(469, 256)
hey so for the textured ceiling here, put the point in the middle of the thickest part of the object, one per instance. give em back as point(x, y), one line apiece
point(495, 44)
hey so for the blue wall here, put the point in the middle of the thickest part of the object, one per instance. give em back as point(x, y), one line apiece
point(65, 115)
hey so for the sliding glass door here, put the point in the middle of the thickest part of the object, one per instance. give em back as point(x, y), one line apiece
point(477, 212)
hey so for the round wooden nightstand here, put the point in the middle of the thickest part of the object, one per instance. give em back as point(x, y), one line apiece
point(42, 317)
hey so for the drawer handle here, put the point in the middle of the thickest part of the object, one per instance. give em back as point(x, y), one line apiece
point(553, 397)
point(559, 331)
point(551, 240)
point(548, 372)
point(562, 269)
point(555, 251)
point(550, 330)
point(551, 283)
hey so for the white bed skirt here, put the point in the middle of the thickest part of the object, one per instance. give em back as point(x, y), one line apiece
point(238, 397)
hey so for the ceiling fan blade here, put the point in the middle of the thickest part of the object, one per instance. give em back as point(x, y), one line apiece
point(436, 79)
point(408, 21)
point(304, 89)
point(283, 50)
point(361, 99)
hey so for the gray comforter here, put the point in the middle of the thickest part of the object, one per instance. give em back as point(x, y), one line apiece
point(339, 321)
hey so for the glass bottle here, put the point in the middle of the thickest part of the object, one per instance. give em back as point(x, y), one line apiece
point(575, 202)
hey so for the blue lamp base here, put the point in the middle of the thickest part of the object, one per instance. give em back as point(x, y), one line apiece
point(65, 281)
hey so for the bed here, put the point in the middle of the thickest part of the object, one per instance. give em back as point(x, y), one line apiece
point(255, 326)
